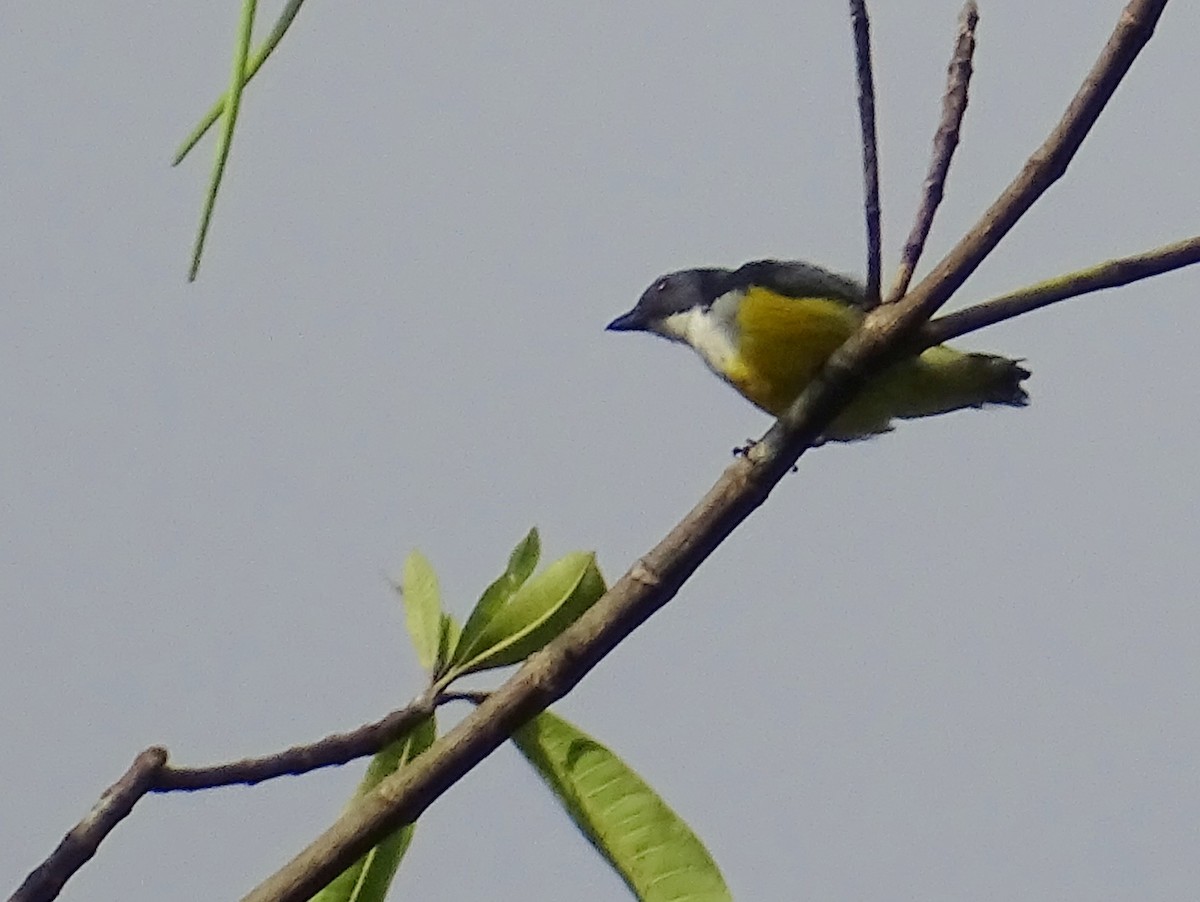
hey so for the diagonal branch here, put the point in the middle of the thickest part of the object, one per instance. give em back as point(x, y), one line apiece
point(81, 843)
point(1048, 162)
point(1109, 274)
point(655, 578)
point(861, 25)
point(945, 141)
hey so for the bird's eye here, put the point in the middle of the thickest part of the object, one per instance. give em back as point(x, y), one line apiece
point(661, 286)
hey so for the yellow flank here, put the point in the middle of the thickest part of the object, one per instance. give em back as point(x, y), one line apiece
point(784, 341)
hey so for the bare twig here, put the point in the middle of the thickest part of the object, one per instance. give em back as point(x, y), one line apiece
point(474, 696)
point(1048, 162)
point(339, 748)
point(150, 773)
point(1109, 274)
point(79, 845)
point(746, 483)
point(945, 140)
point(861, 24)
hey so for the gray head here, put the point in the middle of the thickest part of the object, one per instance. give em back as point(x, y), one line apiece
point(697, 289)
point(677, 292)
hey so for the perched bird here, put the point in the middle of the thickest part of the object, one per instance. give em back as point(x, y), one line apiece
point(767, 327)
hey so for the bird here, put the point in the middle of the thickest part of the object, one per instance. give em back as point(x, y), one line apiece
point(768, 326)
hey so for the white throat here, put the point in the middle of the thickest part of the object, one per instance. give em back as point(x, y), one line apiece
point(711, 333)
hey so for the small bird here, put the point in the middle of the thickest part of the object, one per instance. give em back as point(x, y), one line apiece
point(768, 326)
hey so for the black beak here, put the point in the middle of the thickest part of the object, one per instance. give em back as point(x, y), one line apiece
point(627, 322)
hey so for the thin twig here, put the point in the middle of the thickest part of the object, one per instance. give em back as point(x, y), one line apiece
point(340, 748)
point(150, 773)
point(1109, 274)
point(81, 843)
point(861, 24)
point(1049, 162)
point(655, 578)
point(474, 696)
point(945, 140)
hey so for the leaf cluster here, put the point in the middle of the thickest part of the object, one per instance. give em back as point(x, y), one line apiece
point(637, 833)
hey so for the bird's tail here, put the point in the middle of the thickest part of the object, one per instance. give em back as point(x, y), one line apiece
point(943, 379)
point(940, 380)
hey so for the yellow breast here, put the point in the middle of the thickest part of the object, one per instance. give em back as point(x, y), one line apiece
point(782, 344)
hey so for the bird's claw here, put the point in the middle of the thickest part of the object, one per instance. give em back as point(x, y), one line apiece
point(744, 450)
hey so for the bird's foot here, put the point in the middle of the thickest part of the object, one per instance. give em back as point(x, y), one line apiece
point(744, 450)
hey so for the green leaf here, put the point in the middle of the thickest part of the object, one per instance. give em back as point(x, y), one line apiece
point(521, 563)
point(524, 558)
point(647, 843)
point(286, 16)
point(422, 608)
point(236, 82)
point(368, 879)
point(447, 643)
point(536, 613)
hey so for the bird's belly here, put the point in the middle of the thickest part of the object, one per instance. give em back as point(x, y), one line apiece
point(772, 391)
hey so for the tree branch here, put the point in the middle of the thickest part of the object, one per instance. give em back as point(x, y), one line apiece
point(861, 25)
point(655, 578)
point(1109, 274)
point(1048, 162)
point(945, 141)
point(150, 773)
point(339, 748)
point(81, 843)
point(474, 696)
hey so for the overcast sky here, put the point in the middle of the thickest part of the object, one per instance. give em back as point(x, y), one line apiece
point(957, 662)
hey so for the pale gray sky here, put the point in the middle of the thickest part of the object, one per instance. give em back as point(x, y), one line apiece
point(958, 662)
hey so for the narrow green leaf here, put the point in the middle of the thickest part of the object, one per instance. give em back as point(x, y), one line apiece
point(654, 851)
point(368, 879)
point(536, 613)
point(232, 105)
point(422, 608)
point(447, 643)
point(290, 9)
point(524, 558)
point(521, 563)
